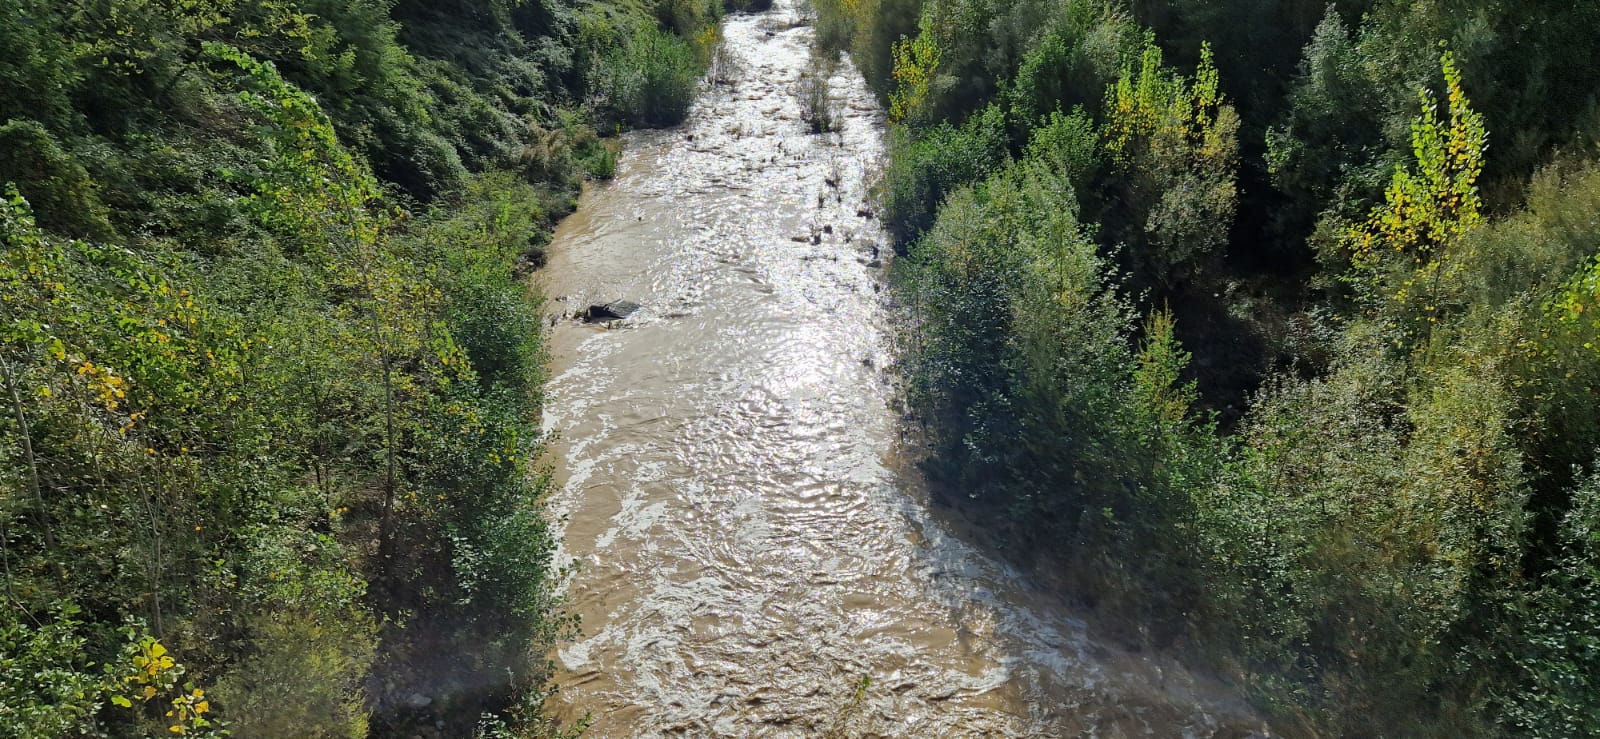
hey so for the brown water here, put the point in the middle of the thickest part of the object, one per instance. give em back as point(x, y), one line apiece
point(753, 558)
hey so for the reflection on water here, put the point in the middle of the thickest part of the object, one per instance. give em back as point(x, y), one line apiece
point(752, 560)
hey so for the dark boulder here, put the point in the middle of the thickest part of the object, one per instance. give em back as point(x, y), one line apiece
point(613, 311)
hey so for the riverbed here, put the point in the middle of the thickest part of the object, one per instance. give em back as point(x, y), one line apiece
point(753, 555)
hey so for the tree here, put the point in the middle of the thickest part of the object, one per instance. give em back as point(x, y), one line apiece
point(1403, 249)
point(1172, 148)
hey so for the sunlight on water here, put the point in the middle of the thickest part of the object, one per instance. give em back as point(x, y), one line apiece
point(751, 550)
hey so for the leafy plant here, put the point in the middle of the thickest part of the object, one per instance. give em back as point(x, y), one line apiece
point(1426, 214)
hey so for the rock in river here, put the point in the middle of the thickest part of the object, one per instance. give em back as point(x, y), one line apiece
point(615, 310)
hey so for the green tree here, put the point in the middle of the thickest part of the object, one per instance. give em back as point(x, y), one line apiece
point(1172, 150)
point(1406, 245)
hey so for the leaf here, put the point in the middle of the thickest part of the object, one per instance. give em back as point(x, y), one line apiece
point(121, 701)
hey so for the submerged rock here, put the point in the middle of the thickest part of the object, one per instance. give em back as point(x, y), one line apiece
point(613, 311)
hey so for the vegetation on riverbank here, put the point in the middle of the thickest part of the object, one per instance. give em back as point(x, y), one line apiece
point(1282, 346)
point(271, 371)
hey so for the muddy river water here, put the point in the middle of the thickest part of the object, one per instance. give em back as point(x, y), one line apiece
point(752, 555)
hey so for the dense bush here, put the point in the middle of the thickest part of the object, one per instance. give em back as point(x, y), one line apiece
point(650, 78)
point(1038, 408)
point(1006, 258)
point(32, 160)
point(925, 167)
point(1081, 49)
point(1555, 647)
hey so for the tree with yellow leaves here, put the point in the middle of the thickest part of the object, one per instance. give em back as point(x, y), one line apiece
point(1401, 252)
point(916, 66)
point(1172, 143)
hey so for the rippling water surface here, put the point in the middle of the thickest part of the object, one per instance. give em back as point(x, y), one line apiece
point(753, 560)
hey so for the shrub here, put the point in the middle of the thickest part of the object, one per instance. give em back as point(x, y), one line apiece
point(64, 199)
point(1555, 646)
point(817, 108)
point(1079, 53)
point(925, 166)
point(1070, 145)
point(311, 642)
point(49, 687)
point(1018, 343)
point(650, 78)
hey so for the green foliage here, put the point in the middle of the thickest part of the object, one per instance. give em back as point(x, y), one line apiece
point(1158, 387)
point(252, 402)
point(1556, 650)
point(1021, 358)
point(131, 382)
point(145, 683)
point(1070, 145)
point(1171, 143)
point(1580, 296)
point(1011, 309)
point(869, 31)
point(916, 64)
point(1328, 149)
point(1080, 52)
point(299, 680)
point(650, 78)
point(37, 74)
point(1571, 341)
point(946, 60)
point(64, 195)
point(1348, 113)
point(312, 640)
point(924, 167)
point(1425, 214)
point(1389, 537)
point(834, 21)
point(48, 685)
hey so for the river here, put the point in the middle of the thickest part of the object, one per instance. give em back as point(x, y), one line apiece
point(753, 556)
